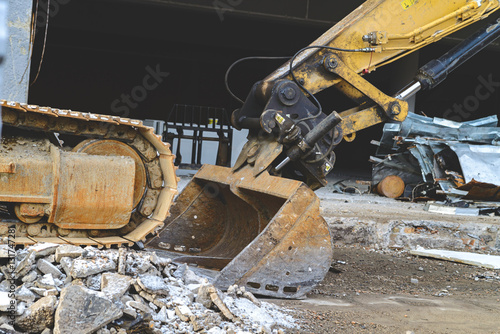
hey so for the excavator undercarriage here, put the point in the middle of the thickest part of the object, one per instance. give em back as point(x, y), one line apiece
point(114, 187)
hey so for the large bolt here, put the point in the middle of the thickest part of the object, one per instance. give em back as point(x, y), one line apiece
point(330, 63)
point(395, 109)
point(252, 152)
point(289, 93)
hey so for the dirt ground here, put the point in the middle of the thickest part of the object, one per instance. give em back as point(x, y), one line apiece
point(368, 291)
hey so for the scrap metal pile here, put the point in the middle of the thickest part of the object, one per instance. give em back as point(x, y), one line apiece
point(456, 163)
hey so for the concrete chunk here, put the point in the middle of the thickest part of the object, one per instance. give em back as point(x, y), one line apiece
point(137, 263)
point(115, 285)
point(30, 277)
point(48, 268)
point(46, 282)
point(153, 284)
point(161, 315)
point(5, 286)
point(38, 316)
point(51, 292)
point(4, 251)
point(25, 264)
point(71, 251)
point(129, 311)
point(209, 320)
point(5, 301)
point(24, 294)
point(66, 264)
point(94, 282)
point(82, 311)
point(203, 296)
point(122, 258)
point(139, 306)
point(217, 300)
point(6, 328)
point(38, 291)
point(183, 312)
point(189, 277)
point(42, 249)
point(85, 267)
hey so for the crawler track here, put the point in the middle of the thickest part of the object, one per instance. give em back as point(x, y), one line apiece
point(156, 156)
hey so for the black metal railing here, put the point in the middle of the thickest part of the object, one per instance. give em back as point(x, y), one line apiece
point(202, 123)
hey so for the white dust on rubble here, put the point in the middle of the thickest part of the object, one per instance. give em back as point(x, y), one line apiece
point(67, 289)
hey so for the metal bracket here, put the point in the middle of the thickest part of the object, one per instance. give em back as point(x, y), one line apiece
point(387, 106)
point(9, 168)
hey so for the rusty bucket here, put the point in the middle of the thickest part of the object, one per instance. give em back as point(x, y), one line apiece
point(264, 233)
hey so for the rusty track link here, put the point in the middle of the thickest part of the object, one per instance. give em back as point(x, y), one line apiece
point(156, 156)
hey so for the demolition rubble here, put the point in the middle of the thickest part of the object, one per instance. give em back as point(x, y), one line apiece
point(69, 289)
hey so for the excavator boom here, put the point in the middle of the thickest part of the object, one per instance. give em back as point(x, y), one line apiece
point(259, 222)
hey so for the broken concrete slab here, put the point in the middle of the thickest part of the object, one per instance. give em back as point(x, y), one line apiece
point(82, 311)
point(115, 285)
point(180, 295)
point(24, 265)
point(66, 264)
point(25, 294)
point(189, 277)
point(48, 268)
point(7, 329)
point(94, 282)
point(217, 300)
point(38, 316)
point(161, 315)
point(43, 249)
point(480, 260)
point(71, 251)
point(4, 251)
point(21, 307)
point(122, 258)
point(203, 296)
point(50, 292)
point(138, 305)
point(30, 277)
point(153, 284)
point(46, 282)
point(38, 291)
point(137, 264)
point(84, 267)
point(130, 312)
point(183, 312)
point(382, 223)
point(5, 301)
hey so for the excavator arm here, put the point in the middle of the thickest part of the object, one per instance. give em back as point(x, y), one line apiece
point(375, 34)
point(258, 222)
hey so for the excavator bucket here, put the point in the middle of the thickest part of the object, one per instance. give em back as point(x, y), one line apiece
point(261, 232)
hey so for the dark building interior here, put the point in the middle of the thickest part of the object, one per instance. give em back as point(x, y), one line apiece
point(98, 52)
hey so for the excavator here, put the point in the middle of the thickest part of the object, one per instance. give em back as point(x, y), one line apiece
point(88, 179)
